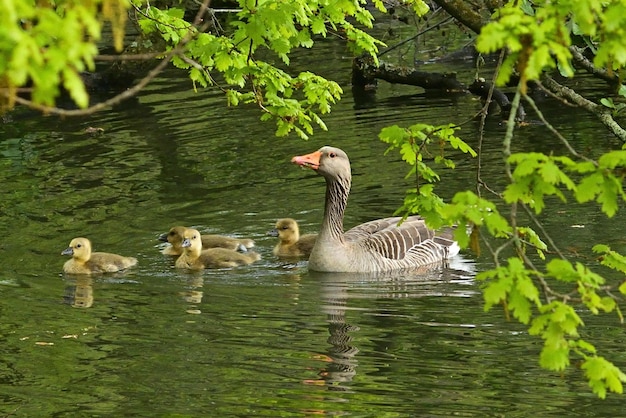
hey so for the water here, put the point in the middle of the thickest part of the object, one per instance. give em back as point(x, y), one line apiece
point(270, 339)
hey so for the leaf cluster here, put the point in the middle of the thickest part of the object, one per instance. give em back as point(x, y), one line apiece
point(46, 45)
point(262, 30)
point(522, 289)
point(418, 145)
point(537, 35)
point(538, 175)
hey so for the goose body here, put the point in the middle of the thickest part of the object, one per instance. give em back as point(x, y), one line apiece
point(84, 261)
point(376, 246)
point(290, 242)
point(175, 238)
point(195, 258)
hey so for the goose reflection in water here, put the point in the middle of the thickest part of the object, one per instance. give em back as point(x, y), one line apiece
point(339, 288)
point(342, 364)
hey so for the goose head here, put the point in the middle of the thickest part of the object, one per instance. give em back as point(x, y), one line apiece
point(330, 162)
point(79, 249)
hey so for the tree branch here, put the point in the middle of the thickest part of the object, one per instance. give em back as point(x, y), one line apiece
point(602, 113)
point(364, 70)
point(601, 73)
point(464, 12)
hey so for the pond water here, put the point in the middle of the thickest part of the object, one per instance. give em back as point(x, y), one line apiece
point(272, 338)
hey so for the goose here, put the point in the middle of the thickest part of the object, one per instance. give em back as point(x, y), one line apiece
point(376, 246)
point(290, 242)
point(175, 238)
point(194, 258)
point(84, 261)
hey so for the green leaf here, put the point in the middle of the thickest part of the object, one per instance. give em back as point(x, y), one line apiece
point(562, 270)
point(519, 305)
point(603, 376)
point(555, 355)
point(607, 102)
point(74, 85)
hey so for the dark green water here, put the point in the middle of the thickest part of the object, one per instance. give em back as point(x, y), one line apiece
point(270, 339)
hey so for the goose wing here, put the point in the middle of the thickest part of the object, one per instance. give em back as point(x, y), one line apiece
point(393, 241)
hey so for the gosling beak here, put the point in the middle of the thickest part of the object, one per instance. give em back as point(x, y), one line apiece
point(163, 237)
point(186, 243)
point(68, 251)
point(272, 232)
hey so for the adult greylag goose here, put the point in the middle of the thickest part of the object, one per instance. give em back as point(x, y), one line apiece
point(84, 261)
point(376, 246)
point(290, 242)
point(175, 238)
point(194, 258)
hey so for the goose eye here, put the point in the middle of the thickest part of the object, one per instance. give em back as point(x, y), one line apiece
point(332, 154)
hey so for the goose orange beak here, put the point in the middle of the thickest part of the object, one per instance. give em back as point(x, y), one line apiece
point(311, 160)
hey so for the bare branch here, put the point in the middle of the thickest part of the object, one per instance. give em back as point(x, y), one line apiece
point(100, 106)
point(601, 73)
point(464, 12)
point(602, 113)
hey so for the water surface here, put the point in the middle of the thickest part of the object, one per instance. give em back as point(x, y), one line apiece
point(270, 339)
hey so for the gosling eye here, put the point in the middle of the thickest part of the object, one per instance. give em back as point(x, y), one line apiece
point(78, 245)
point(285, 227)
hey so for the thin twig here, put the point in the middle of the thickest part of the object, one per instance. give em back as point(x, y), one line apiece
point(428, 29)
point(129, 57)
point(557, 133)
point(543, 231)
point(102, 105)
point(483, 120)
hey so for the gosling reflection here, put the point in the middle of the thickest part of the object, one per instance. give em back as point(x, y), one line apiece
point(79, 292)
point(193, 293)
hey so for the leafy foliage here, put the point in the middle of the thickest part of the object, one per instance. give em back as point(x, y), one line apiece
point(538, 35)
point(261, 29)
point(522, 289)
point(48, 44)
point(415, 144)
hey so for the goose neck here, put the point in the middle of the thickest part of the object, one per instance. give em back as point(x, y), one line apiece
point(337, 191)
